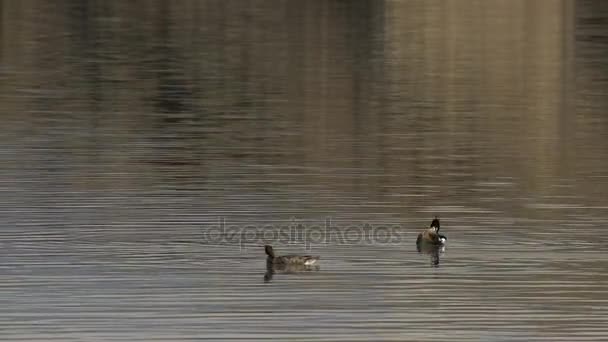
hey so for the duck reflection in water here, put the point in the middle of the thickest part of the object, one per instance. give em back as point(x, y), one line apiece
point(288, 264)
point(433, 251)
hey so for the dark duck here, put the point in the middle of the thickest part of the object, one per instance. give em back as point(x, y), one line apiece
point(287, 264)
point(431, 236)
point(289, 260)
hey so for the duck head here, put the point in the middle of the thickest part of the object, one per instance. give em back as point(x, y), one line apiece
point(269, 251)
point(435, 225)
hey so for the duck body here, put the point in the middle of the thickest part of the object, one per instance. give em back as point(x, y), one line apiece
point(294, 260)
point(431, 236)
point(287, 264)
point(289, 260)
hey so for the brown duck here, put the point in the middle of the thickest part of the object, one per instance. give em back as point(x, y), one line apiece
point(431, 236)
point(289, 260)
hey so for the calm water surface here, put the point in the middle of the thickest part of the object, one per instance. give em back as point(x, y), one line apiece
point(131, 130)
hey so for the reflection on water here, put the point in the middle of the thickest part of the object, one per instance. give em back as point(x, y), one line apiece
point(129, 131)
point(434, 253)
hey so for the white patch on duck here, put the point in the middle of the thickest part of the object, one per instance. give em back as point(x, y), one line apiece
point(310, 262)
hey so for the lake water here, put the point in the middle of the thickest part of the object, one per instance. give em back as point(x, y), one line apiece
point(150, 149)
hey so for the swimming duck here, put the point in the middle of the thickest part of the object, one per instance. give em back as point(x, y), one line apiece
point(431, 236)
point(289, 260)
point(271, 269)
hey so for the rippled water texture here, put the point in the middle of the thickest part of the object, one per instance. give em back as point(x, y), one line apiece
point(150, 149)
